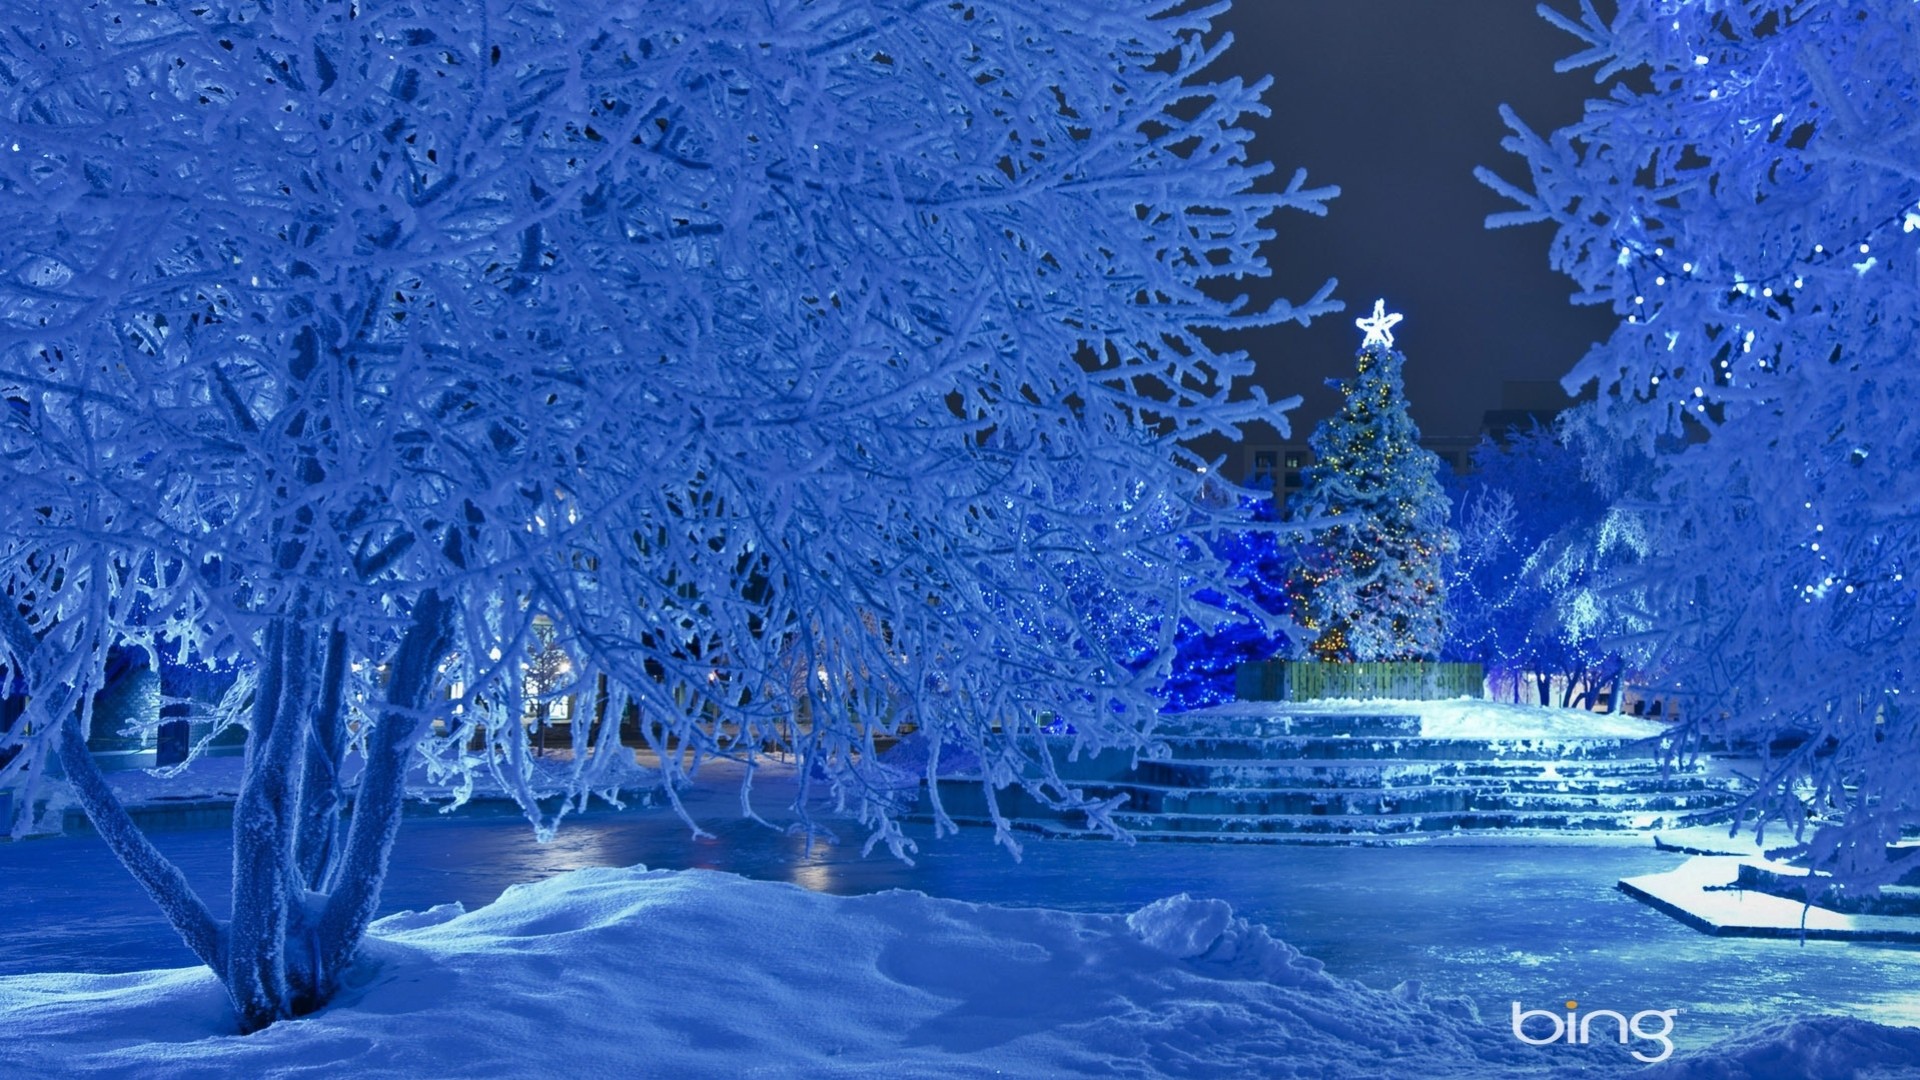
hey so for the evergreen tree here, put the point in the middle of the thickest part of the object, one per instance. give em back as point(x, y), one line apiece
point(1370, 583)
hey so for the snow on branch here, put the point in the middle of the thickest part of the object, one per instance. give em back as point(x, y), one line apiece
point(792, 375)
point(1743, 198)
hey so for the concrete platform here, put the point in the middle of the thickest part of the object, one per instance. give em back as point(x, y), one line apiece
point(1699, 893)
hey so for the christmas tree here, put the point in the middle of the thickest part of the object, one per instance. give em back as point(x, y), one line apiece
point(1369, 584)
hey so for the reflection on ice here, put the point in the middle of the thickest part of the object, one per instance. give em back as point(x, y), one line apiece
point(815, 874)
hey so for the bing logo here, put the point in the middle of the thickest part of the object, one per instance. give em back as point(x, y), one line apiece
point(1575, 1028)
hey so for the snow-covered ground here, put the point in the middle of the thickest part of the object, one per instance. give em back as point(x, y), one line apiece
point(686, 972)
point(630, 972)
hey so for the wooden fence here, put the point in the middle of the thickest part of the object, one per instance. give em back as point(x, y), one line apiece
point(1286, 680)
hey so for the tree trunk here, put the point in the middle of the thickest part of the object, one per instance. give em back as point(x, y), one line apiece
point(174, 742)
point(281, 955)
point(382, 789)
point(321, 795)
point(270, 972)
point(597, 727)
point(288, 943)
point(162, 880)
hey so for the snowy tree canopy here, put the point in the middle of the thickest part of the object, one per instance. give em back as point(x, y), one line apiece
point(1251, 623)
point(1539, 538)
point(1369, 584)
point(1744, 197)
point(790, 360)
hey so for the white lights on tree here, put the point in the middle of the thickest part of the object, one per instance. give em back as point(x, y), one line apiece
point(1778, 396)
point(1370, 585)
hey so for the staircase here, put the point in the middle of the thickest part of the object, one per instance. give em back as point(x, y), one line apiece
point(1298, 776)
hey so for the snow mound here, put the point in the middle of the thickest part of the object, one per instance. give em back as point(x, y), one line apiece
point(616, 972)
point(1823, 1047)
point(1181, 926)
point(1206, 931)
point(414, 920)
point(630, 972)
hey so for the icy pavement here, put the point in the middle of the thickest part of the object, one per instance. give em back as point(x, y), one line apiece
point(1498, 922)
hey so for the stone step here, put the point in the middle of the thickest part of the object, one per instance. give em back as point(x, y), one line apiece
point(1271, 779)
point(1278, 826)
point(1299, 773)
point(1523, 769)
point(1441, 798)
point(1279, 725)
point(1236, 774)
point(1622, 785)
point(1624, 802)
point(1348, 748)
point(1150, 799)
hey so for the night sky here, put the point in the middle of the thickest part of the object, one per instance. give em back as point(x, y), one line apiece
point(1396, 101)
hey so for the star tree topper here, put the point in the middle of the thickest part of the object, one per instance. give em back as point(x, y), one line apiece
point(1379, 326)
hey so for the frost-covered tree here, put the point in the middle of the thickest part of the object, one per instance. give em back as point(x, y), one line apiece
point(548, 677)
point(793, 361)
point(1491, 604)
point(1370, 585)
point(1743, 196)
point(1525, 587)
point(1248, 621)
